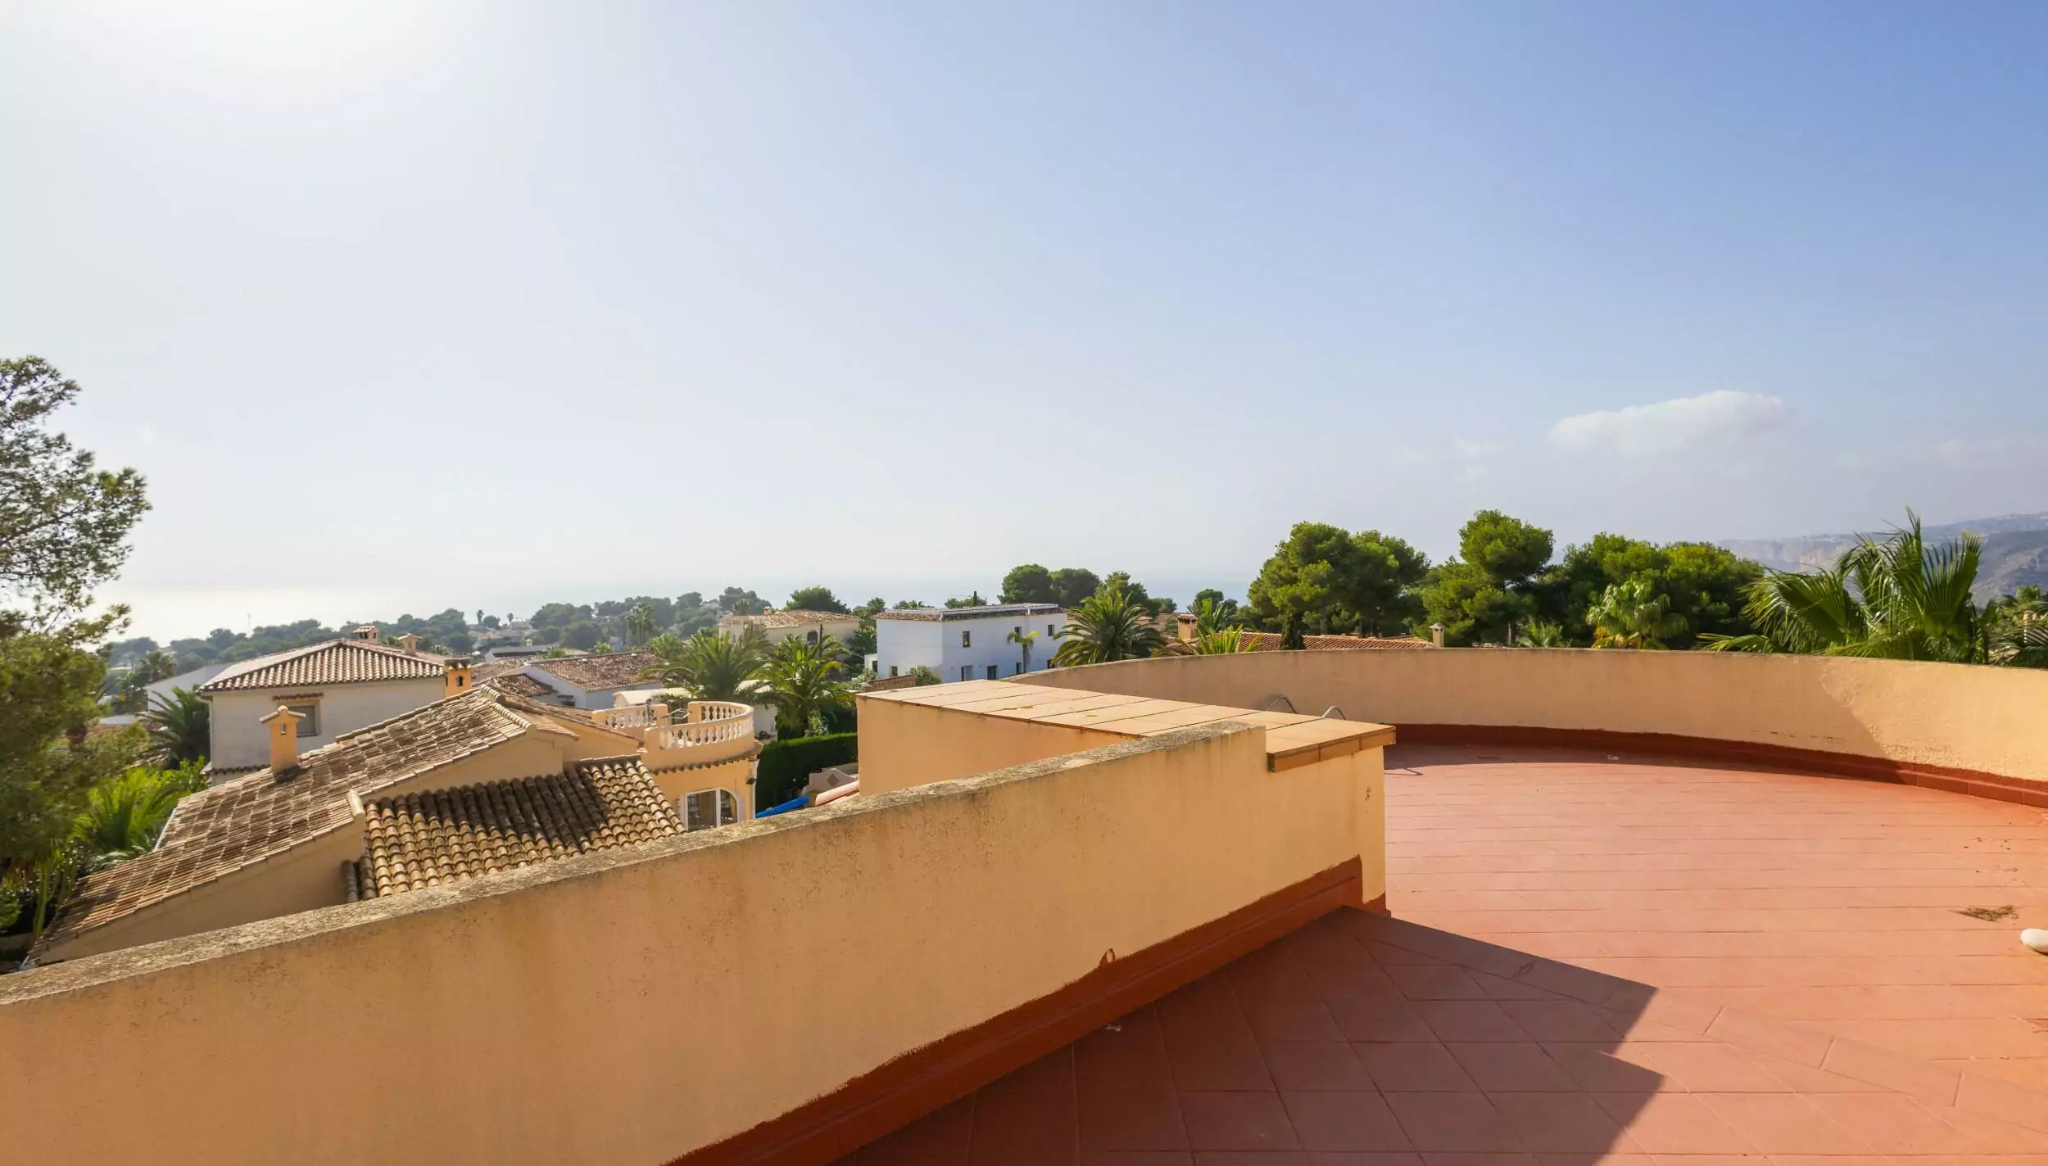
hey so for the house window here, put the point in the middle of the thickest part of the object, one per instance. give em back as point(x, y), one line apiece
point(1048, 629)
point(811, 637)
point(966, 671)
point(892, 669)
point(967, 639)
point(310, 726)
point(1017, 667)
point(991, 672)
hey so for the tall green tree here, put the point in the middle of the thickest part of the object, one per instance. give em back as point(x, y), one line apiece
point(815, 599)
point(1028, 583)
point(1072, 585)
point(1705, 583)
point(1109, 625)
point(1332, 581)
point(1481, 595)
point(640, 626)
point(64, 526)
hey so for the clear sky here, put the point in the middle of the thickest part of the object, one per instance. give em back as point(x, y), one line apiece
point(415, 304)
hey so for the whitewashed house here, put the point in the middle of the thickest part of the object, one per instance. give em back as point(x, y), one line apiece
point(967, 643)
point(334, 687)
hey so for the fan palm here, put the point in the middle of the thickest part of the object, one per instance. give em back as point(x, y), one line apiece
point(180, 728)
point(123, 815)
point(1108, 625)
point(1633, 615)
point(1222, 642)
point(710, 666)
point(804, 681)
point(1898, 599)
point(1537, 634)
point(1023, 640)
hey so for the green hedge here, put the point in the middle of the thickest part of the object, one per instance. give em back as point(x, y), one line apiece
point(786, 765)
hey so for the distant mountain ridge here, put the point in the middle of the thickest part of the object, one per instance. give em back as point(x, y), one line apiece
point(2015, 550)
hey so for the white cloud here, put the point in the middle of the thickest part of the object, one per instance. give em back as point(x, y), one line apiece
point(1715, 418)
point(1474, 450)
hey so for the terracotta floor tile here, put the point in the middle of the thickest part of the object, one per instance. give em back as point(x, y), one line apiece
point(1435, 982)
point(1780, 1123)
point(1453, 1121)
point(1131, 1050)
point(1503, 988)
point(1133, 1116)
point(1316, 1065)
point(1516, 1158)
point(1468, 1020)
point(939, 1138)
point(1895, 1123)
point(1561, 1122)
point(1278, 1019)
point(1934, 1084)
point(1137, 1158)
point(1028, 1116)
point(1710, 1160)
point(1711, 1067)
point(1350, 1158)
point(1607, 1068)
point(1344, 1121)
point(1413, 1067)
point(1378, 1019)
point(1520, 1067)
point(1672, 1123)
point(1558, 1020)
point(1236, 1121)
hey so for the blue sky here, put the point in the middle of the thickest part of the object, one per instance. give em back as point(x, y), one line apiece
point(404, 305)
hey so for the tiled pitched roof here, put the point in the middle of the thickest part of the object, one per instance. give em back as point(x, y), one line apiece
point(599, 669)
point(510, 677)
point(795, 618)
point(242, 821)
point(426, 839)
point(334, 662)
point(990, 611)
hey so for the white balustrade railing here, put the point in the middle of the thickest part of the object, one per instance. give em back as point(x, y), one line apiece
point(693, 734)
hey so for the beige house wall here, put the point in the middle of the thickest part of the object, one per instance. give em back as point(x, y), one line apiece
point(1964, 717)
point(904, 745)
point(239, 739)
point(625, 1007)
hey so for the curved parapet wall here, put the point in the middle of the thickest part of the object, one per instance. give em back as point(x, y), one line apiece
point(1971, 729)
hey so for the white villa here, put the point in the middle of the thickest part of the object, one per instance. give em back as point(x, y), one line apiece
point(968, 643)
point(333, 688)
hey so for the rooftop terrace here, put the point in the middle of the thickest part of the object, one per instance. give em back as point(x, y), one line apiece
point(1639, 909)
point(1591, 959)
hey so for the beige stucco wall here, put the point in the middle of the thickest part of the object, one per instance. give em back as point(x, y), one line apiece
point(309, 874)
point(902, 745)
point(239, 738)
point(1979, 718)
point(625, 1007)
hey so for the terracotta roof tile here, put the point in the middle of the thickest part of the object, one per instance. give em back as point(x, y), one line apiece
point(598, 669)
point(244, 820)
point(425, 839)
point(795, 618)
point(518, 684)
point(334, 662)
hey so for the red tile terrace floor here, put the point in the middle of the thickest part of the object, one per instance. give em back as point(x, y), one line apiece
point(1591, 960)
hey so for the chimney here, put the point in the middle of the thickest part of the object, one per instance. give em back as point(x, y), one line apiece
point(367, 632)
point(1436, 634)
point(458, 677)
point(411, 644)
point(283, 726)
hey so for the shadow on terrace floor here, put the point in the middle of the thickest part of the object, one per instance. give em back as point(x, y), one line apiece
point(1358, 1034)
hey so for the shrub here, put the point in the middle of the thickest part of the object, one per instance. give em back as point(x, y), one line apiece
point(787, 765)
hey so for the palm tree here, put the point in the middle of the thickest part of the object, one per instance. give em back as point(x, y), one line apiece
point(1024, 640)
point(639, 625)
point(1212, 616)
point(1537, 634)
point(1108, 625)
point(1222, 642)
point(123, 815)
point(1898, 599)
point(1633, 615)
point(180, 728)
point(710, 666)
point(803, 679)
point(2019, 628)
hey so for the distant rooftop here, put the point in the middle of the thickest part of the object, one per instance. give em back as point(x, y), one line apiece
point(344, 661)
point(793, 618)
point(987, 611)
point(599, 670)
